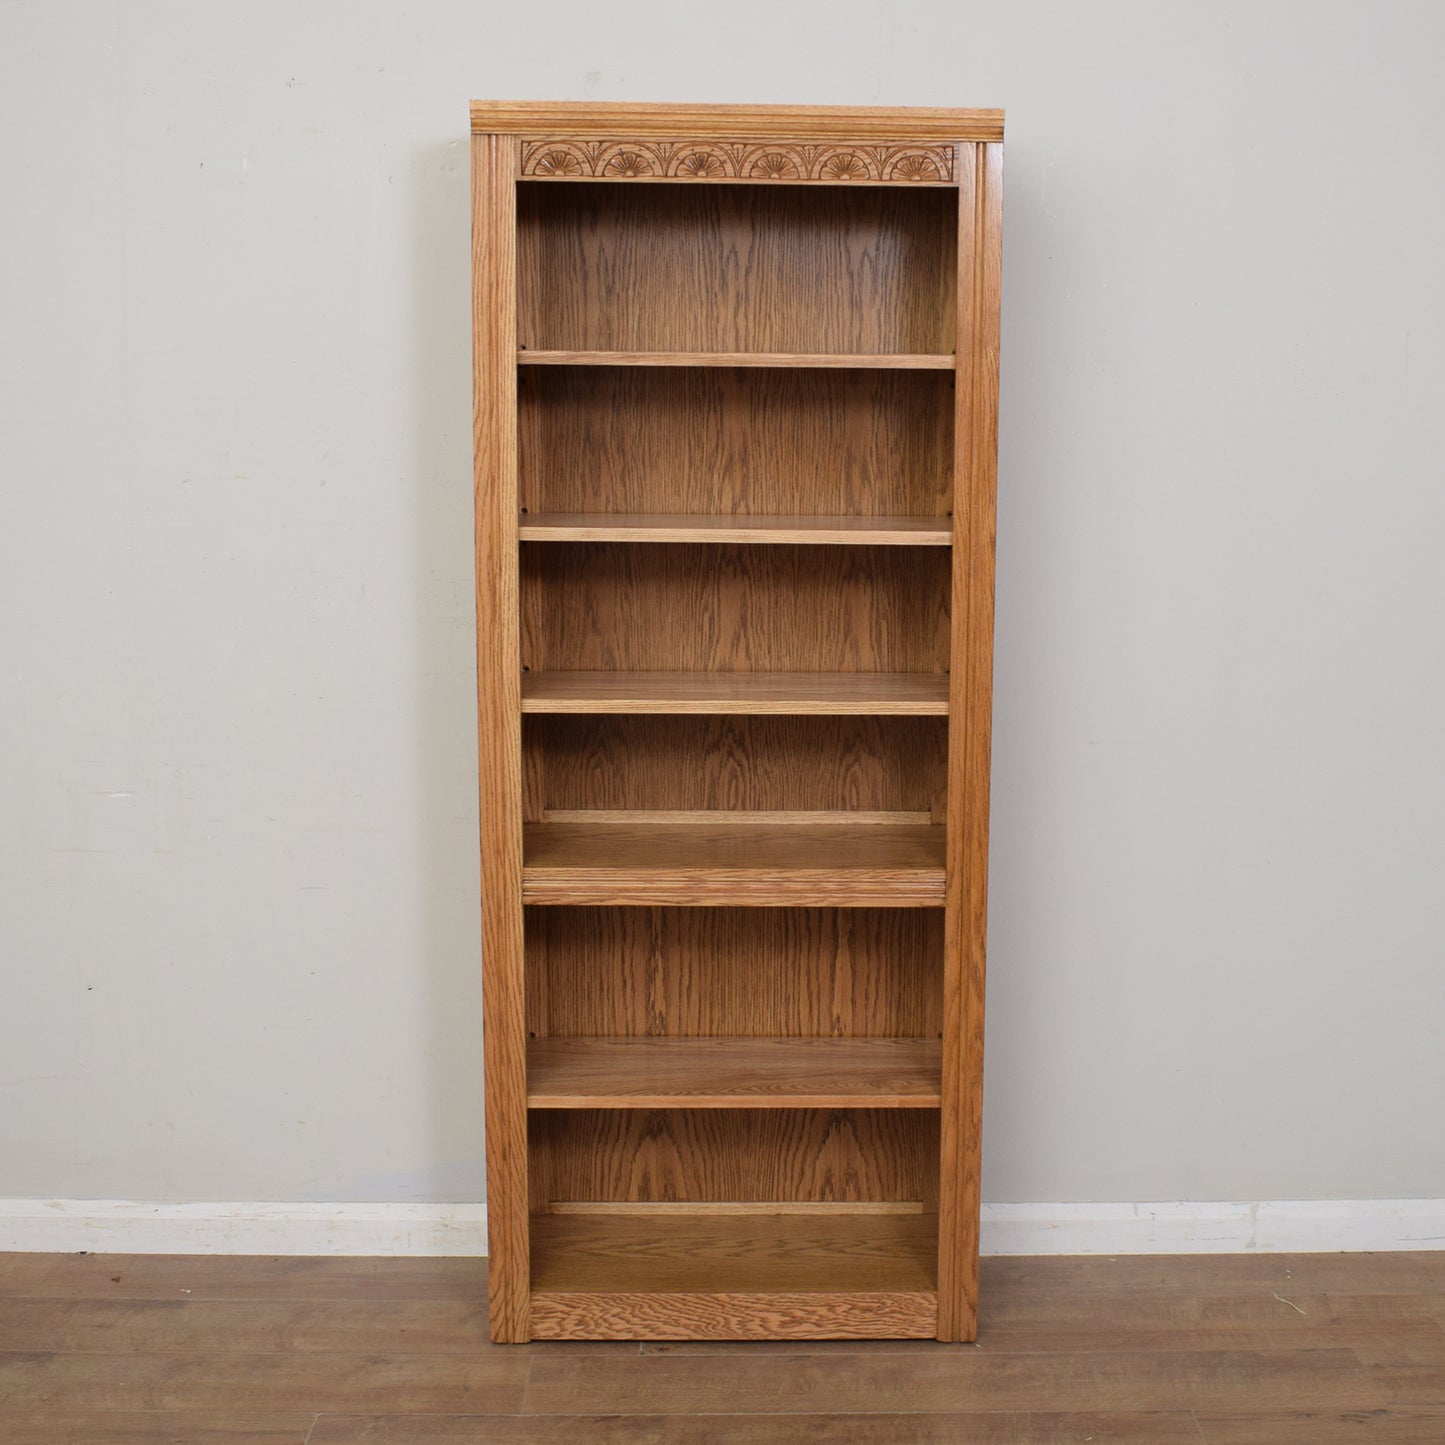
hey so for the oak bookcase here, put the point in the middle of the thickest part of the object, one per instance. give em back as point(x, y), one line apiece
point(736, 393)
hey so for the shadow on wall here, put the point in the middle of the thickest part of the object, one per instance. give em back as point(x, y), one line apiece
point(440, 478)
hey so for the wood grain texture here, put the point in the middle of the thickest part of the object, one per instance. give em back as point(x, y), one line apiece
point(732, 1073)
point(736, 443)
point(971, 676)
point(1388, 1426)
point(62, 1426)
point(734, 1254)
point(838, 1156)
point(283, 1382)
point(973, 1427)
point(734, 1277)
point(563, 157)
point(1129, 1349)
point(876, 694)
point(951, 1380)
point(736, 764)
point(849, 866)
point(714, 1314)
point(785, 972)
point(604, 119)
point(680, 527)
point(772, 360)
point(181, 1277)
point(816, 276)
point(713, 724)
point(729, 1206)
point(238, 1325)
point(601, 606)
point(499, 727)
point(827, 817)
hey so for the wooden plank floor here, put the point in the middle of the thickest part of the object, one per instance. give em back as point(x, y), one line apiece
point(218, 1350)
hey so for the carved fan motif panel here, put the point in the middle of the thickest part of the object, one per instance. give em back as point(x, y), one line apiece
point(563, 158)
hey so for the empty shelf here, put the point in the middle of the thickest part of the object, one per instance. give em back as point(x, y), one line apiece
point(888, 361)
point(873, 694)
point(683, 527)
point(734, 1277)
point(733, 1073)
point(817, 864)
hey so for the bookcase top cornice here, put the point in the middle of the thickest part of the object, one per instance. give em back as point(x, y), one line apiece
point(603, 120)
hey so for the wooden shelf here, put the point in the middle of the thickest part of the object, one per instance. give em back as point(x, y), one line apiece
point(814, 864)
point(874, 361)
point(796, 531)
point(752, 1276)
point(867, 694)
point(733, 1073)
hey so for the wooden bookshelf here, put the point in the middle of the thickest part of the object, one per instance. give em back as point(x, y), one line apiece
point(734, 591)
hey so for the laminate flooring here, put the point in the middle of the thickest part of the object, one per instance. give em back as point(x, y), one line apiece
point(1150, 1350)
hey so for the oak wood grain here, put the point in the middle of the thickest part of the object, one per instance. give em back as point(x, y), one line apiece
point(731, 1073)
point(875, 694)
point(717, 1314)
point(877, 361)
point(735, 1254)
point(768, 817)
point(662, 1208)
point(682, 527)
point(735, 764)
point(684, 358)
point(682, 972)
point(692, 864)
point(980, 218)
point(629, 607)
point(735, 443)
point(499, 725)
point(841, 1156)
point(734, 1277)
point(735, 276)
point(607, 118)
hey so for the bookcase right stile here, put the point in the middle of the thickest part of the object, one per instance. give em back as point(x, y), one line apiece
point(980, 249)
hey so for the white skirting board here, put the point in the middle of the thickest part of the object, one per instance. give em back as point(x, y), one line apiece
point(128, 1226)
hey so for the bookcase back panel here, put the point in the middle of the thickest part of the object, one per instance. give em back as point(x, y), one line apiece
point(769, 972)
point(735, 441)
point(793, 764)
point(735, 268)
point(653, 1155)
point(724, 608)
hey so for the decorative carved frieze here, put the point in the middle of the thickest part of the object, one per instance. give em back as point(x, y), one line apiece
point(566, 158)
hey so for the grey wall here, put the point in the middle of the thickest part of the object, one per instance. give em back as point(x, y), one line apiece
point(237, 845)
